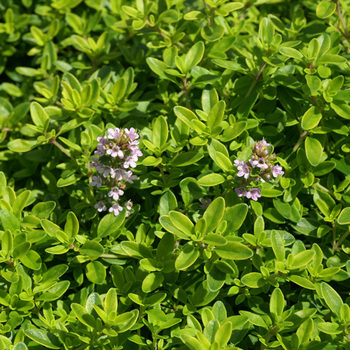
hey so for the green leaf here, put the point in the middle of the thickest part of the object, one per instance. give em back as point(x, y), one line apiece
point(20, 145)
point(329, 328)
point(44, 209)
point(325, 9)
point(92, 249)
point(332, 298)
point(310, 119)
point(160, 132)
point(32, 260)
point(290, 52)
point(83, 316)
point(214, 239)
point(330, 59)
point(305, 330)
point(47, 339)
point(55, 292)
point(95, 272)
point(266, 31)
point(216, 114)
point(9, 221)
point(313, 150)
point(194, 56)
point(302, 281)
point(20, 346)
point(185, 115)
point(21, 249)
point(71, 227)
point(253, 280)
point(277, 303)
point(39, 116)
point(191, 342)
point(186, 158)
point(211, 180)
point(187, 257)
point(111, 302)
point(170, 227)
point(152, 281)
point(324, 202)
point(125, 321)
point(110, 224)
point(182, 222)
point(301, 259)
point(234, 251)
point(159, 68)
point(235, 217)
point(277, 245)
point(344, 217)
point(233, 131)
point(214, 214)
point(342, 109)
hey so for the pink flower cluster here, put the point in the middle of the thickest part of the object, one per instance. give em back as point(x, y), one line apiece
point(116, 154)
point(258, 168)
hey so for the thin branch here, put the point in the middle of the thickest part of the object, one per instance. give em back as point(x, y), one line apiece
point(185, 89)
point(64, 150)
point(342, 20)
point(300, 141)
point(256, 79)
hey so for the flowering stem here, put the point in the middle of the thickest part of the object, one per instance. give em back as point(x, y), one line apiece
point(64, 150)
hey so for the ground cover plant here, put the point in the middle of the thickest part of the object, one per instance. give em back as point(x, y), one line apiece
point(174, 174)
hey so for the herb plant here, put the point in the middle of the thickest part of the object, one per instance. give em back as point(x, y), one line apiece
point(174, 174)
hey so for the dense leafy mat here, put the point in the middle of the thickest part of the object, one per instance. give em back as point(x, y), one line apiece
point(231, 231)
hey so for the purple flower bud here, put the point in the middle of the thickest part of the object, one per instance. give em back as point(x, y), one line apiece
point(241, 191)
point(96, 181)
point(100, 206)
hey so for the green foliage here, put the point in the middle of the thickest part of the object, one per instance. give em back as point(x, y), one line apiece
point(192, 265)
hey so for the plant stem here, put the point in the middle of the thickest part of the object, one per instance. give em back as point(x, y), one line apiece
point(256, 79)
point(341, 240)
point(300, 141)
point(185, 89)
point(342, 20)
point(64, 150)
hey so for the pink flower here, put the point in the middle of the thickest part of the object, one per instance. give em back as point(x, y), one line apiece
point(243, 170)
point(128, 176)
point(254, 193)
point(115, 192)
point(115, 151)
point(131, 134)
point(261, 164)
point(277, 170)
point(115, 208)
point(264, 143)
point(114, 134)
